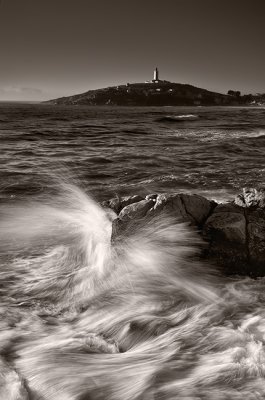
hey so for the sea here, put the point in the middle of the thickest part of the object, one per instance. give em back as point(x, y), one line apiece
point(118, 151)
point(87, 315)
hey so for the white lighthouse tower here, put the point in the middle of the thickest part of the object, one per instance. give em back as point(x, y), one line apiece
point(156, 76)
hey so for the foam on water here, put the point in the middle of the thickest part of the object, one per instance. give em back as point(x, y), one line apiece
point(89, 315)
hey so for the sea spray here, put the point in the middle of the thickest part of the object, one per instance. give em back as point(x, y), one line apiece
point(87, 314)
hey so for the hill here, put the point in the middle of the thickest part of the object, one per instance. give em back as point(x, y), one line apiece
point(158, 93)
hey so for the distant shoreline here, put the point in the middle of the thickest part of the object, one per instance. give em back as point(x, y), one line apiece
point(158, 93)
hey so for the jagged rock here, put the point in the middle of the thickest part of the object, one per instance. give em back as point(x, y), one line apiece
point(251, 198)
point(186, 208)
point(117, 204)
point(136, 210)
point(192, 209)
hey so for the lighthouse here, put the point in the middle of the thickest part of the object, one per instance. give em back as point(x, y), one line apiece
point(156, 75)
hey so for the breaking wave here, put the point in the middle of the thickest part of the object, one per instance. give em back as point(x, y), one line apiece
point(178, 118)
point(86, 314)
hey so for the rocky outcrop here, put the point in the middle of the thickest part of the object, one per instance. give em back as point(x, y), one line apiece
point(234, 232)
point(192, 209)
point(251, 198)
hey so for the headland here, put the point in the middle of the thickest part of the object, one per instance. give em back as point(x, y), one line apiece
point(157, 92)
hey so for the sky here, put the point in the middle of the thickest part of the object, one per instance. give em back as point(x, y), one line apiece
point(53, 48)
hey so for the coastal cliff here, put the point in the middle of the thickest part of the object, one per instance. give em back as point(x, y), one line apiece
point(162, 93)
point(233, 233)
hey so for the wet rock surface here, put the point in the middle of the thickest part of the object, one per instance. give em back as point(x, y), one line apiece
point(234, 232)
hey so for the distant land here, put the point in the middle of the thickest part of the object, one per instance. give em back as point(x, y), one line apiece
point(159, 93)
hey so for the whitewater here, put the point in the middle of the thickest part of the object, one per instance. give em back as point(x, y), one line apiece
point(90, 314)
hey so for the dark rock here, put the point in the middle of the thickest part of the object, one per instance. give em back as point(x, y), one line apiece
point(117, 204)
point(186, 208)
point(234, 232)
point(228, 208)
point(191, 209)
point(136, 210)
point(198, 207)
point(256, 240)
point(225, 230)
point(251, 198)
point(131, 217)
point(227, 226)
point(171, 204)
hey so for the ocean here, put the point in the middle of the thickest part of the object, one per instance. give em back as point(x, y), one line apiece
point(116, 151)
point(85, 315)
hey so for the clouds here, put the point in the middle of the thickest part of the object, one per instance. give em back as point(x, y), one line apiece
point(24, 90)
point(21, 93)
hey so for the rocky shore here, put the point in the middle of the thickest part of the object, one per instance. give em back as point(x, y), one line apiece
point(233, 233)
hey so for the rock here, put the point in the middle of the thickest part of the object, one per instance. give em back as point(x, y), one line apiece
point(117, 204)
point(226, 232)
point(251, 198)
point(130, 217)
point(198, 207)
point(228, 226)
point(136, 210)
point(256, 241)
point(192, 209)
point(171, 204)
point(229, 208)
point(186, 208)
point(234, 232)
point(151, 196)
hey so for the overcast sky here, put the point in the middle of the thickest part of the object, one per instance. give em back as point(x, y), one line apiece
point(51, 48)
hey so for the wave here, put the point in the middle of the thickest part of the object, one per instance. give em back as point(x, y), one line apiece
point(257, 134)
point(87, 313)
point(177, 118)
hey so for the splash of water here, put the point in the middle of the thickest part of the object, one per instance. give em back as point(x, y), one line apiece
point(88, 316)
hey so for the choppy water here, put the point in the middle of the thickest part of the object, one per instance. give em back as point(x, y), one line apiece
point(85, 316)
point(116, 151)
